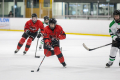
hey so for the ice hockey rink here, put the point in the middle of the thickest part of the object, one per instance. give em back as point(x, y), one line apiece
point(81, 64)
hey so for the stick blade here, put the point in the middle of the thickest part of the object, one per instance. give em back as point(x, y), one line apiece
point(86, 47)
point(37, 69)
point(37, 56)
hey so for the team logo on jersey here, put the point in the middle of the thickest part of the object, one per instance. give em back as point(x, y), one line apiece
point(33, 28)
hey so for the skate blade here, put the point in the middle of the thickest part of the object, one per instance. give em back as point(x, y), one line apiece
point(64, 67)
point(107, 67)
point(24, 53)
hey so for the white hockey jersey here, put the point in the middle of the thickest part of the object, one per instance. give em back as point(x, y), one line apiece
point(113, 27)
point(44, 26)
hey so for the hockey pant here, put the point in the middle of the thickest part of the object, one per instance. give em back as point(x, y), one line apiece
point(29, 41)
point(113, 53)
point(56, 52)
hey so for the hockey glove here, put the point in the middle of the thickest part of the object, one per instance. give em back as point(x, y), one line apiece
point(39, 35)
point(54, 42)
point(28, 32)
point(48, 46)
point(118, 39)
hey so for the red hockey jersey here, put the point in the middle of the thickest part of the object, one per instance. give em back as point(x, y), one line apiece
point(57, 33)
point(34, 27)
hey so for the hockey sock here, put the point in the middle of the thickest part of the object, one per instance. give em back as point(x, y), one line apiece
point(21, 42)
point(111, 59)
point(50, 53)
point(29, 41)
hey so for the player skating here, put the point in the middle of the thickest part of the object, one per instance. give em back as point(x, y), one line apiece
point(30, 31)
point(45, 23)
point(52, 34)
point(114, 30)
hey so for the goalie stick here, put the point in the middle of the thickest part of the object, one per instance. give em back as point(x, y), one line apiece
point(94, 48)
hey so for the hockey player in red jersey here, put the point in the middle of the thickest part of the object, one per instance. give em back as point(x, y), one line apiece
point(52, 34)
point(30, 31)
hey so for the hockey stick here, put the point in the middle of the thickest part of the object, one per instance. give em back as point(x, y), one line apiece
point(41, 43)
point(36, 49)
point(42, 61)
point(119, 59)
point(61, 49)
point(95, 48)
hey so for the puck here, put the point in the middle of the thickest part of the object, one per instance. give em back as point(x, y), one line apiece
point(32, 70)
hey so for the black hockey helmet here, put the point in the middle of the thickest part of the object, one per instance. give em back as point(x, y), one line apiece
point(46, 18)
point(34, 15)
point(53, 20)
point(117, 12)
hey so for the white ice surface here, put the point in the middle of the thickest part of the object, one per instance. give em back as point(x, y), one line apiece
point(81, 64)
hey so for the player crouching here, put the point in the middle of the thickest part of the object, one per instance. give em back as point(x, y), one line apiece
point(52, 34)
point(30, 31)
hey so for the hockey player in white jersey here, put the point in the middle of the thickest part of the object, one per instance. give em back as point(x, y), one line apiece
point(114, 30)
point(45, 23)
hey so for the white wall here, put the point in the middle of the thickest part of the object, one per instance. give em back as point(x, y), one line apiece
point(18, 23)
point(86, 26)
point(70, 26)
